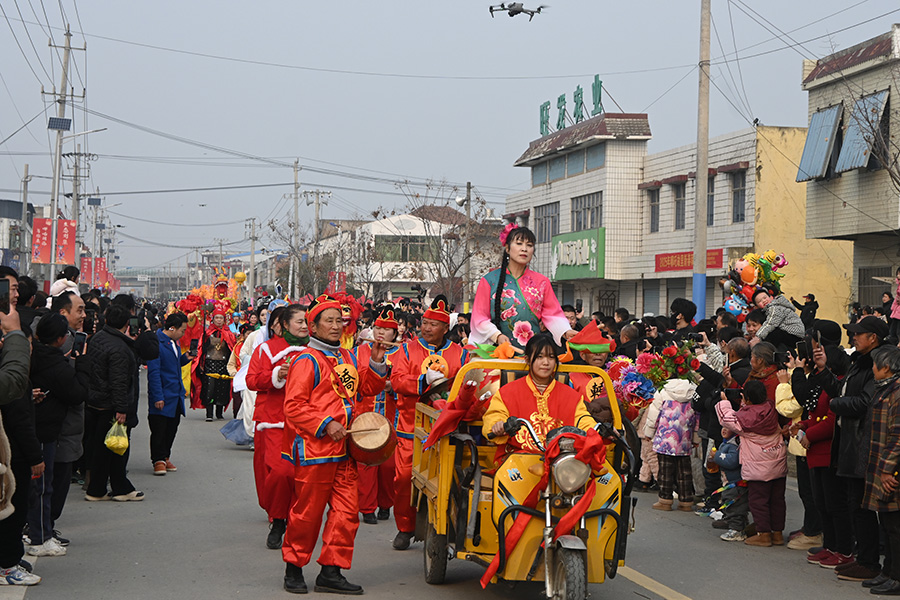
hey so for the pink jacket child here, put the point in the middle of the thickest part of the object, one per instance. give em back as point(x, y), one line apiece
point(763, 452)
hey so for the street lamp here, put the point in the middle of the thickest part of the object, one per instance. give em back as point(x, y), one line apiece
point(59, 125)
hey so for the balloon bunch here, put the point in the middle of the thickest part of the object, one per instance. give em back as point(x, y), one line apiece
point(750, 273)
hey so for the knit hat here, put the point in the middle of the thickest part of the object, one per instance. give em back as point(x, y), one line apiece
point(829, 330)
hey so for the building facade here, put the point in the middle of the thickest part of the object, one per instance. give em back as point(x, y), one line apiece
point(621, 232)
point(850, 158)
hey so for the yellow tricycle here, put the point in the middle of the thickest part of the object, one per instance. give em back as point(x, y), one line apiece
point(544, 516)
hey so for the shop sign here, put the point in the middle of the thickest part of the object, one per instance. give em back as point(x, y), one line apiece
point(578, 255)
point(578, 109)
point(684, 261)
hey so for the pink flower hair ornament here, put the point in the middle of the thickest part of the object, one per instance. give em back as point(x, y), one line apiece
point(504, 235)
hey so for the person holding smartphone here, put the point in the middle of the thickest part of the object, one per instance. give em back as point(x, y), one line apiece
point(61, 384)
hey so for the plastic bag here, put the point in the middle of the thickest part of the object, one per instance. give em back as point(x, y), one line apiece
point(117, 438)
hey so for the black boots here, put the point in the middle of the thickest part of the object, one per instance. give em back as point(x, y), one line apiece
point(276, 532)
point(384, 514)
point(331, 581)
point(370, 519)
point(402, 540)
point(293, 579)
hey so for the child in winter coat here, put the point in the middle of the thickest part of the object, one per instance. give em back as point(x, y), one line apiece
point(734, 498)
point(649, 465)
point(673, 440)
point(763, 458)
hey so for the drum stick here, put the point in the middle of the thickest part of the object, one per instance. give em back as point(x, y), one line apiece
point(364, 430)
point(376, 342)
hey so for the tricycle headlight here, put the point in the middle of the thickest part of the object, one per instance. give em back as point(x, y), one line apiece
point(570, 473)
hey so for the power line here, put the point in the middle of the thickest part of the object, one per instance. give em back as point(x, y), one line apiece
point(737, 59)
point(205, 224)
point(671, 87)
point(24, 125)
point(161, 245)
point(31, 41)
point(25, 56)
point(728, 66)
point(794, 43)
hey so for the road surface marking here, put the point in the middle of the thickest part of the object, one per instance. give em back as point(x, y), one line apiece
point(651, 584)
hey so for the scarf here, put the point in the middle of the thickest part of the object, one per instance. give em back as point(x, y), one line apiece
point(293, 340)
point(323, 346)
point(883, 383)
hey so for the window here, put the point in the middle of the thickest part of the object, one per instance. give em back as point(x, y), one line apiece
point(710, 201)
point(596, 156)
point(865, 126)
point(539, 174)
point(547, 219)
point(738, 196)
point(678, 192)
point(820, 143)
point(587, 211)
point(396, 248)
point(575, 163)
point(557, 168)
point(653, 196)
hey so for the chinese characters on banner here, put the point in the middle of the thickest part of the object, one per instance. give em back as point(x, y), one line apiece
point(86, 270)
point(40, 241)
point(65, 242)
point(102, 275)
point(684, 261)
point(337, 282)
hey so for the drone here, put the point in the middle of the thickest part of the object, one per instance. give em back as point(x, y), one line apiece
point(517, 8)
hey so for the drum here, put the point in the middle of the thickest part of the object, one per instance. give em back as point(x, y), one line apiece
point(372, 439)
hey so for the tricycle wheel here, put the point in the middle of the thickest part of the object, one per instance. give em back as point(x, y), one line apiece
point(569, 577)
point(435, 556)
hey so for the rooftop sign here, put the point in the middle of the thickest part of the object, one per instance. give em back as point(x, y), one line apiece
point(577, 111)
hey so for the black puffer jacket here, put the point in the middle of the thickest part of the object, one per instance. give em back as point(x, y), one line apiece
point(851, 401)
point(66, 386)
point(113, 369)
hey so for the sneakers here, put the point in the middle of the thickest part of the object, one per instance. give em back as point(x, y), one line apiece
point(17, 576)
point(805, 542)
point(159, 467)
point(370, 519)
point(702, 512)
point(276, 534)
point(384, 514)
point(835, 560)
point(49, 548)
point(170, 467)
point(402, 540)
point(733, 535)
point(59, 538)
point(132, 496)
point(819, 556)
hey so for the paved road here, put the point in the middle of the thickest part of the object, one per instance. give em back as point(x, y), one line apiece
point(200, 535)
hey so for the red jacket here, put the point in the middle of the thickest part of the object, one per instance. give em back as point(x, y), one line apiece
point(262, 378)
point(310, 403)
point(819, 428)
point(409, 381)
point(383, 403)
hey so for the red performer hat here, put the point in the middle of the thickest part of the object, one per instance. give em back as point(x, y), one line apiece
point(222, 308)
point(591, 339)
point(438, 310)
point(386, 319)
point(321, 303)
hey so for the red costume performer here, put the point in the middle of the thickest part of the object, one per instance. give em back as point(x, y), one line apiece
point(274, 476)
point(376, 482)
point(222, 307)
point(409, 380)
point(323, 385)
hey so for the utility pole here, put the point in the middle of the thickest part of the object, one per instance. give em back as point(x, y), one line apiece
point(23, 238)
point(316, 197)
point(468, 286)
point(294, 283)
point(75, 190)
point(702, 173)
point(61, 113)
point(252, 278)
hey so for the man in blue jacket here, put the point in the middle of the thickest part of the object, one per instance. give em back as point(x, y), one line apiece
point(165, 391)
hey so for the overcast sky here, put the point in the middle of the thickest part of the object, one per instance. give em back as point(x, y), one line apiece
point(425, 90)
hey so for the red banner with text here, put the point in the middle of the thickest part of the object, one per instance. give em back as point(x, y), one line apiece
point(86, 270)
point(40, 241)
point(684, 261)
point(65, 242)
